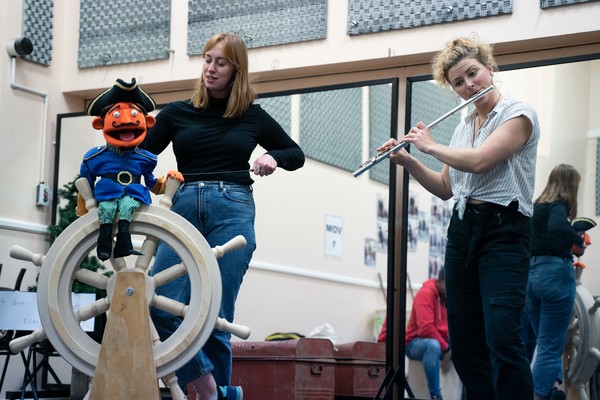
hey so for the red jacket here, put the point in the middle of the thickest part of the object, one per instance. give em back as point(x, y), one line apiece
point(428, 318)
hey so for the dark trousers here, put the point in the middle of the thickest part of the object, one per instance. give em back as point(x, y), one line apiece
point(487, 263)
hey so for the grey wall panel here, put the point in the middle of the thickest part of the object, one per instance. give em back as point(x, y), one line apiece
point(259, 22)
point(37, 26)
point(559, 3)
point(139, 32)
point(380, 128)
point(428, 102)
point(384, 15)
point(280, 108)
point(331, 127)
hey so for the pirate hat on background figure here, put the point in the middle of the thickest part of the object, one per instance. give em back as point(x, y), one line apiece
point(583, 224)
point(120, 92)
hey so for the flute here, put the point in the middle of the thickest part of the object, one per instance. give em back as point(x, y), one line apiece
point(386, 153)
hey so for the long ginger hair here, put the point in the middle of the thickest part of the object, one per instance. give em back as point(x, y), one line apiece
point(242, 91)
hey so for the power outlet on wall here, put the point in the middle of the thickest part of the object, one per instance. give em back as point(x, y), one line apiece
point(42, 194)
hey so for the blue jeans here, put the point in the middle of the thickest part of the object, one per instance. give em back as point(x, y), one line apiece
point(220, 211)
point(430, 352)
point(549, 305)
point(487, 263)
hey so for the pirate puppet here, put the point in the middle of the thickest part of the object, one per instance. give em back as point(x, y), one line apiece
point(115, 170)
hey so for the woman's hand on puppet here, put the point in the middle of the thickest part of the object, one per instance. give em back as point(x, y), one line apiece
point(579, 250)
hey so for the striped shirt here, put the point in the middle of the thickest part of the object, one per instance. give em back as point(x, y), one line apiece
point(512, 179)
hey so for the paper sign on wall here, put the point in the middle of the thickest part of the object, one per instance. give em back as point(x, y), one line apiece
point(333, 236)
point(19, 310)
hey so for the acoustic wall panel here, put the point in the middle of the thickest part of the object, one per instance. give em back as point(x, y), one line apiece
point(428, 102)
point(123, 31)
point(259, 22)
point(559, 3)
point(368, 16)
point(331, 127)
point(380, 127)
point(37, 26)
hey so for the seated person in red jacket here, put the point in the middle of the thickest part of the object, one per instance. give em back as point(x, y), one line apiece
point(427, 332)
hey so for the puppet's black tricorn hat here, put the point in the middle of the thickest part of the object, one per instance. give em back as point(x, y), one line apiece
point(583, 224)
point(120, 92)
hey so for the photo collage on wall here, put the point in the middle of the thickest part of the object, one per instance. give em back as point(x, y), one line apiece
point(429, 225)
point(380, 243)
point(441, 212)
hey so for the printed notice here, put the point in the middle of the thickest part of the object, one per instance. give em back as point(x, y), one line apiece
point(19, 310)
point(333, 236)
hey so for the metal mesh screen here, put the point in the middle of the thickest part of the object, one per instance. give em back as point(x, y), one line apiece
point(558, 3)
point(37, 26)
point(428, 102)
point(259, 22)
point(367, 16)
point(280, 108)
point(380, 127)
point(331, 127)
point(139, 31)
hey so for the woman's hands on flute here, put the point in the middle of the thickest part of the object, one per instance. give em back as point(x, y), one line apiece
point(399, 157)
point(418, 135)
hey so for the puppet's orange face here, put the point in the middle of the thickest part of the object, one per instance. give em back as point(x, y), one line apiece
point(124, 125)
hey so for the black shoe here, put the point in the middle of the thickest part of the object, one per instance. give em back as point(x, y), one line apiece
point(124, 247)
point(104, 246)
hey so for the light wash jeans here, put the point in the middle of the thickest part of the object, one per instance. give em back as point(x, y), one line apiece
point(549, 305)
point(220, 211)
point(429, 352)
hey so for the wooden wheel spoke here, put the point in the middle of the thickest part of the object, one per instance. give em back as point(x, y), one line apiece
point(148, 249)
point(118, 264)
point(92, 278)
point(169, 305)
point(574, 325)
point(169, 274)
point(92, 310)
point(21, 343)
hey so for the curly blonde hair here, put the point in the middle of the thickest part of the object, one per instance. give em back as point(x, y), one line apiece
point(455, 51)
point(242, 90)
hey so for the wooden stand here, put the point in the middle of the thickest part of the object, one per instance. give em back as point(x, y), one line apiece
point(125, 368)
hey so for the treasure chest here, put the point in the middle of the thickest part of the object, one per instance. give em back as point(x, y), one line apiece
point(300, 369)
point(360, 369)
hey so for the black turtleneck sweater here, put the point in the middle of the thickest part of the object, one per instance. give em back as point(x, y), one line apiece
point(553, 235)
point(209, 147)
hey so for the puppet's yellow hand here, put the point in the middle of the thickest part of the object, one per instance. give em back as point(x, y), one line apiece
point(175, 175)
point(80, 209)
point(161, 183)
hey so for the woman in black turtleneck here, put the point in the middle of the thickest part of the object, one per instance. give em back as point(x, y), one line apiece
point(213, 136)
point(551, 284)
